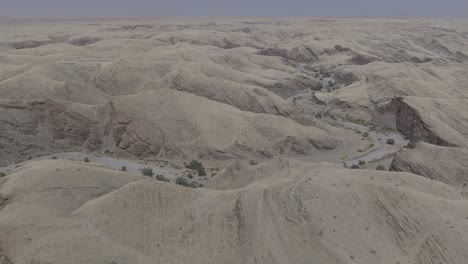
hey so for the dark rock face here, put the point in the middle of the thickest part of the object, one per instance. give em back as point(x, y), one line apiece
point(444, 164)
point(292, 86)
point(346, 78)
point(83, 41)
point(410, 124)
point(301, 54)
point(27, 44)
point(246, 30)
point(359, 59)
point(32, 128)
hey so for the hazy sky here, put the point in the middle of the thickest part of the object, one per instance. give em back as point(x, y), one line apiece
point(109, 8)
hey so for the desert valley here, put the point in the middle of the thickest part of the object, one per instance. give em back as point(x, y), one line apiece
point(234, 140)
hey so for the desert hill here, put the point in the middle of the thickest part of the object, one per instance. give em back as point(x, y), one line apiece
point(294, 212)
point(253, 65)
point(285, 128)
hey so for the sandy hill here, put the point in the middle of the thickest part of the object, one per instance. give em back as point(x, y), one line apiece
point(88, 69)
point(290, 212)
point(278, 108)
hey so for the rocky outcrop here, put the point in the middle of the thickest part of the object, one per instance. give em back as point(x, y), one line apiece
point(410, 124)
point(31, 128)
point(293, 85)
point(444, 164)
point(300, 54)
point(27, 44)
point(83, 41)
point(345, 78)
point(360, 59)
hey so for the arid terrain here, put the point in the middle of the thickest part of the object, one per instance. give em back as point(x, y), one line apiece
point(240, 140)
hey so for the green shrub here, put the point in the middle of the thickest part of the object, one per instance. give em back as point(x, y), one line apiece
point(86, 159)
point(355, 167)
point(161, 177)
point(391, 141)
point(380, 168)
point(362, 163)
point(182, 181)
point(317, 88)
point(193, 185)
point(2, 174)
point(123, 168)
point(197, 166)
point(147, 172)
point(54, 157)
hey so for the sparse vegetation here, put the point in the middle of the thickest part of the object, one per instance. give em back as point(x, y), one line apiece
point(326, 114)
point(380, 167)
point(54, 157)
point(391, 141)
point(161, 177)
point(123, 168)
point(193, 184)
point(362, 163)
point(2, 174)
point(182, 181)
point(147, 172)
point(86, 159)
point(252, 162)
point(108, 152)
point(197, 166)
point(355, 166)
point(317, 87)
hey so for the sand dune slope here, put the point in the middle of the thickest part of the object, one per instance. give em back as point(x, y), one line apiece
point(290, 212)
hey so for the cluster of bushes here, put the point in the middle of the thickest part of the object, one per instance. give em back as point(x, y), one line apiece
point(362, 163)
point(380, 168)
point(150, 173)
point(183, 182)
point(326, 114)
point(147, 172)
point(317, 87)
point(196, 166)
point(161, 177)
